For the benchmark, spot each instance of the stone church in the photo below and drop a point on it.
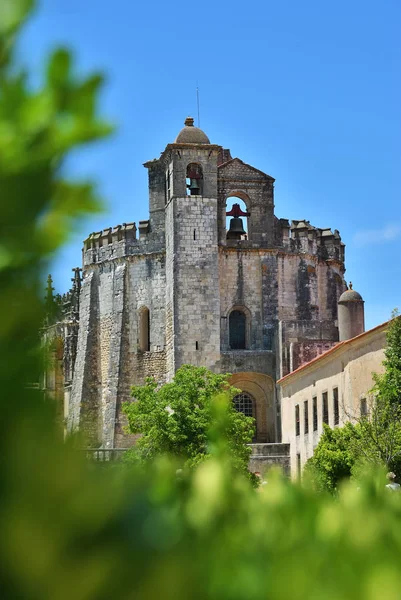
(213, 278)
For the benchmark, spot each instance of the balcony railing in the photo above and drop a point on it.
(104, 454)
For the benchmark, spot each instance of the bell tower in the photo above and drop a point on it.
(192, 267)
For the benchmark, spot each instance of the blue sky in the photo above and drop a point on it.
(309, 92)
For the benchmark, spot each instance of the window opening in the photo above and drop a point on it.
(306, 418)
(364, 407)
(298, 465)
(325, 402)
(297, 427)
(194, 234)
(237, 327)
(168, 186)
(144, 330)
(336, 407)
(236, 219)
(314, 401)
(194, 180)
(243, 403)
(196, 346)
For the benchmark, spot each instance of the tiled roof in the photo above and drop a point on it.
(332, 350)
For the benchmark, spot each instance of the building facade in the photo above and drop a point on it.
(333, 388)
(256, 297)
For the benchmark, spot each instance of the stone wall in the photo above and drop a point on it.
(286, 278)
(266, 456)
(170, 291)
(255, 188)
(109, 361)
(195, 275)
(241, 287)
(85, 400)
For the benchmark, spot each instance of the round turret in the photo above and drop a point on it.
(191, 135)
(351, 314)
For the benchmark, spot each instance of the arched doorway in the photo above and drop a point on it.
(245, 404)
(257, 394)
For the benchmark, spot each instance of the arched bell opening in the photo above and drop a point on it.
(194, 179)
(236, 219)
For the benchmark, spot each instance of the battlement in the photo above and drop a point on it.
(98, 239)
(302, 237)
(118, 241)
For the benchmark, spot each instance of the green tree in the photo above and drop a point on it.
(333, 457)
(178, 418)
(379, 442)
(388, 385)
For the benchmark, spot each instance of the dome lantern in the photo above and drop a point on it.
(191, 135)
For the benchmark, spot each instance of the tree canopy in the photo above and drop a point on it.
(179, 417)
(388, 384)
(333, 457)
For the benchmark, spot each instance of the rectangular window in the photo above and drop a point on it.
(336, 407)
(314, 400)
(306, 418)
(299, 466)
(325, 407)
(297, 419)
(168, 186)
(364, 407)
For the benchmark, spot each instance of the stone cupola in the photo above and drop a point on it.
(351, 314)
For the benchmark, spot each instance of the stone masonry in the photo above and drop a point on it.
(174, 290)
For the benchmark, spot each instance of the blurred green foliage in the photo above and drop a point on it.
(178, 418)
(70, 530)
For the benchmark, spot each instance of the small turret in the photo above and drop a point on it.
(351, 314)
(191, 135)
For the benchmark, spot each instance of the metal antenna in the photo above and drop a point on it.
(197, 102)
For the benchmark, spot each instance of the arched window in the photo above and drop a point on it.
(194, 179)
(144, 330)
(244, 403)
(237, 328)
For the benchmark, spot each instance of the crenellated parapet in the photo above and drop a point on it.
(303, 238)
(119, 241)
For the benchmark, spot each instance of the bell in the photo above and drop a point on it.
(236, 229)
(194, 187)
